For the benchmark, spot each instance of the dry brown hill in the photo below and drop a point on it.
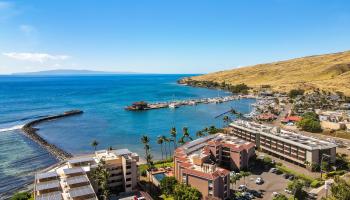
(330, 72)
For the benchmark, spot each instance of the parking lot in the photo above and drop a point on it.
(272, 183)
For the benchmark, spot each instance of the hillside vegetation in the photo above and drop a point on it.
(330, 72)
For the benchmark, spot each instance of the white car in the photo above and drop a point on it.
(274, 194)
(242, 188)
(259, 181)
(288, 191)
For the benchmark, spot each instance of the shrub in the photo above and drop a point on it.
(182, 191)
(295, 92)
(316, 183)
(167, 185)
(22, 196)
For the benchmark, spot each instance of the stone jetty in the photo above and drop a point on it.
(31, 133)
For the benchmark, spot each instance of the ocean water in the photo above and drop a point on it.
(102, 98)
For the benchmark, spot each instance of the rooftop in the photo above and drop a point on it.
(307, 142)
(195, 155)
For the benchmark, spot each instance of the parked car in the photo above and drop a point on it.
(273, 170)
(288, 191)
(259, 181)
(275, 194)
(291, 177)
(242, 188)
(256, 193)
(248, 195)
(286, 176)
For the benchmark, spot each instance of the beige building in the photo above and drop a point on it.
(73, 179)
(205, 163)
(290, 146)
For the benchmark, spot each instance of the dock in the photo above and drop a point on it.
(143, 105)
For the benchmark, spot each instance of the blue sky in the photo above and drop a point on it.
(182, 36)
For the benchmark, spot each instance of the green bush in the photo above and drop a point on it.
(316, 183)
(22, 196)
(295, 92)
(310, 123)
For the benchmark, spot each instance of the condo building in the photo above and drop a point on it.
(205, 163)
(293, 147)
(74, 179)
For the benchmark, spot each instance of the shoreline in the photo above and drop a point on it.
(31, 132)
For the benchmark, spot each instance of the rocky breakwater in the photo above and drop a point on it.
(31, 133)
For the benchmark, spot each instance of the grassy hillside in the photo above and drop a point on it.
(330, 72)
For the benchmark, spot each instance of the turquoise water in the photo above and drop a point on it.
(159, 176)
(102, 98)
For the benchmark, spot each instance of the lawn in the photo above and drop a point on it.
(157, 165)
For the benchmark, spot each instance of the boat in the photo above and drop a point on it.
(173, 105)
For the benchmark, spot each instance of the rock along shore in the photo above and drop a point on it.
(30, 132)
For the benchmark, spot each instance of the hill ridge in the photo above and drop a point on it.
(329, 72)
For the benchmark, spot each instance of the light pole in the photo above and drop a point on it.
(322, 157)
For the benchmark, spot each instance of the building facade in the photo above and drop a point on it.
(205, 163)
(75, 180)
(289, 146)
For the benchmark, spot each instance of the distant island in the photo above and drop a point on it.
(328, 72)
(70, 72)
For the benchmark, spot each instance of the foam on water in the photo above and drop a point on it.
(16, 127)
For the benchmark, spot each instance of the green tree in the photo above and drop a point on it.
(295, 92)
(310, 122)
(234, 178)
(22, 196)
(244, 174)
(280, 197)
(145, 141)
(161, 141)
(297, 187)
(167, 185)
(200, 134)
(339, 190)
(226, 120)
(173, 134)
(101, 176)
(182, 191)
(94, 144)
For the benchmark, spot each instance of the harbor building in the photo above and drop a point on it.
(205, 163)
(293, 147)
(74, 179)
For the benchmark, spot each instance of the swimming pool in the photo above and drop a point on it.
(159, 176)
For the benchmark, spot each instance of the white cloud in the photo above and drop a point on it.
(35, 57)
(27, 29)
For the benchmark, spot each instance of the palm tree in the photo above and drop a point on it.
(200, 134)
(165, 148)
(145, 139)
(94, 144)
(168, 140)
(160, 141)
(174, 136)
(101, 175)
(182, 141)
(186, 134)
(244, 174)
(226, 119)
(234, 178)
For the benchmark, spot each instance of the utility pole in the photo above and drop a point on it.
(322, 157)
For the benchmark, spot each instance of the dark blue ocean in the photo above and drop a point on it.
(102, 98)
